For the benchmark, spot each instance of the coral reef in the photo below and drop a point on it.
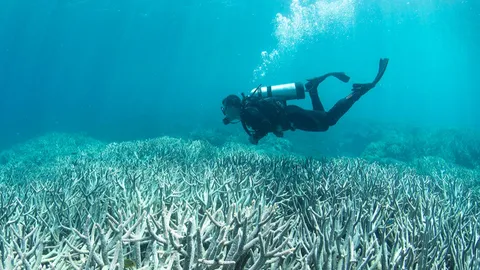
(389, 143)
(460, 147)
(170, 203)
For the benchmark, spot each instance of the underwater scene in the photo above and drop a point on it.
(239, 134)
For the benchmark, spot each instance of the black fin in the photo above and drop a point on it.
(364, 87)
(314, 82)
(341, 76)
(382, 66)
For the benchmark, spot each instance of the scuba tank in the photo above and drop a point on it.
(286, 91)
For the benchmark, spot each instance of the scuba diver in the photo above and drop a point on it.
(265, 110)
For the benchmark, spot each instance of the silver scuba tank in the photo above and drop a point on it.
(286, 91)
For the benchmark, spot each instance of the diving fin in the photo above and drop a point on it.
(382, 66)
(341, 76)
(314, 82)
(362, 88)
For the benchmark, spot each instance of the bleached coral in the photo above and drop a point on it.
(174, 204)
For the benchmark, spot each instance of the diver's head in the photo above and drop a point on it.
(232, 106)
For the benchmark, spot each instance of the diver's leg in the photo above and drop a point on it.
(338, 110)
(312, 88)
(306, 120)
(316, 103)
(343, 105)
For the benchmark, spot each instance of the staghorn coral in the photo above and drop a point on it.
(174, 204)
(460, 147)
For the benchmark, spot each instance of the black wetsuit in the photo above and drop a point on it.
(262, 116)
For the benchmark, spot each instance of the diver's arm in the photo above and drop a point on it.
(257, 135)
(258, 122)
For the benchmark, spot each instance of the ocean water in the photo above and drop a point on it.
(135, 69)
(110, 125)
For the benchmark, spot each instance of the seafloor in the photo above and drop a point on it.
(407, 202)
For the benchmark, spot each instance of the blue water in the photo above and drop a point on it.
(119, 70)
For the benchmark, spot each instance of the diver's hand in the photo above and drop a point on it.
(253, 140)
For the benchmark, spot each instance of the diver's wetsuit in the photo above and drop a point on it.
(317, 119)
(262, 116)
(271, 115)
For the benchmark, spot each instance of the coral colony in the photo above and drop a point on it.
(172, 203)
